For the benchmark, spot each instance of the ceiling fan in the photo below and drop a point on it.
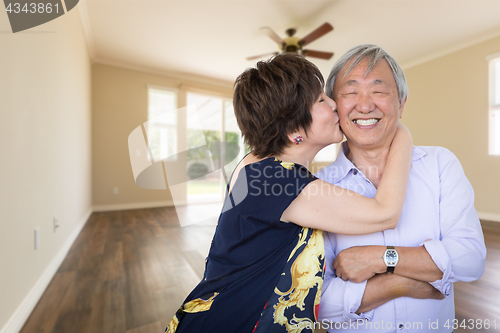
(295, 44)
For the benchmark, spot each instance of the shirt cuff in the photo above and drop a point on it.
(352, 300)
(440, 256)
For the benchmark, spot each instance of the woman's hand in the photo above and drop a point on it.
(403, 136)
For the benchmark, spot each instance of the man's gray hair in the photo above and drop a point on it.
(373, 53)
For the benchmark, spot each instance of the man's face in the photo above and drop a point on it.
(368, 106)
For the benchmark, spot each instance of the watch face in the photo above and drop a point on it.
(391, 257)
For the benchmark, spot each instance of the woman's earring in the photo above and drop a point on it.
(298, 140)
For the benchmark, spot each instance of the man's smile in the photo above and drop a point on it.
(366, 122)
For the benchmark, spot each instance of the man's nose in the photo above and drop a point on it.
(365, 103)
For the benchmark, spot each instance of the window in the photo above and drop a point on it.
(161, 128)
(210, 119)
(494, 106)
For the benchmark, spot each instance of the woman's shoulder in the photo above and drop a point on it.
(273, 166)
(266, 181)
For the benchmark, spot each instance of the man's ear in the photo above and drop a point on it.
(401, 107)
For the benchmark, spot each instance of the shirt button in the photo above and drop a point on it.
(355, 172)
(401, 326)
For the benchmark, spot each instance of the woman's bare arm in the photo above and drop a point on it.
(324, 206)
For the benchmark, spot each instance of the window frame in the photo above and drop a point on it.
(493, 109)
(175, 91)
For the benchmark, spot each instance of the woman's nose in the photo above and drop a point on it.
(332, 103)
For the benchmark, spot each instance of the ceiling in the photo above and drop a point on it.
(212, 38)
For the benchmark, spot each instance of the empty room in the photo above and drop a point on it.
(135, 134)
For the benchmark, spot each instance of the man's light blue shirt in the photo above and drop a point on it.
(439, 206)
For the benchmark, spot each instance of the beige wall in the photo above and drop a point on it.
(448, 106)
(45, 152)
(119, 105)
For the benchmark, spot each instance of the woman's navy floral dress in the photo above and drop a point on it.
(261, 274)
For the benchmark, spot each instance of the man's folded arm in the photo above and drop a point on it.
(345, 300)
(458, 256)
(461, 252)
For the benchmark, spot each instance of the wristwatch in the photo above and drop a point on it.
(391, 259)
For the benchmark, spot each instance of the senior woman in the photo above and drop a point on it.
(265, 267)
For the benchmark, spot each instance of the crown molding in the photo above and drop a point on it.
(451, 49)
(171, 74)
(84, 16)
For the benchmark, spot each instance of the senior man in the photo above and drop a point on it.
(399, 280)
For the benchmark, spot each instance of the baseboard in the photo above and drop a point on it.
(136, 205)
(22, 313)
(489, 216)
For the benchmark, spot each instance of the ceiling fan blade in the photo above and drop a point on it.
(317, 54)
(262, 55)
(321, 31)
(271, 34)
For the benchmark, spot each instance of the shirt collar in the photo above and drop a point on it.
(342, 165)
(417, 153)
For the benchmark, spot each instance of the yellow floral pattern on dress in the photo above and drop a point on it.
(172, 326)
(199, 305)
(286, 165)
(196, 305)
(304, 276)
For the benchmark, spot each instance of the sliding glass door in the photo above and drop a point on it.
(210, 119)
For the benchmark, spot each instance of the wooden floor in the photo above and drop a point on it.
(480, 300)
(128, 272)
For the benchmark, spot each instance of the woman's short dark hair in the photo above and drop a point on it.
(275, 99)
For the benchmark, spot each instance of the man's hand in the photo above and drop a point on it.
(359, 263)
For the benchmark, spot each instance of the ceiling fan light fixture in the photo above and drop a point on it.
(291, 41)
(295, 44)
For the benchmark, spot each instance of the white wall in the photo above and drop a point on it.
(448, 106)
(45, 155)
